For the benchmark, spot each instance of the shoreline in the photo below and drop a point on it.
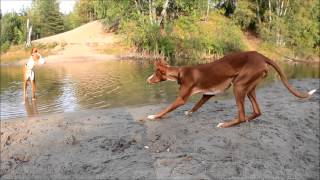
(52, 59)
(120, 143)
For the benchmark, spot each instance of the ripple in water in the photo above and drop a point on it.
(75, 86)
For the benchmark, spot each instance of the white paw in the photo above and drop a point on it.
(312, 91)
(152, 116)
(187, 113)
(219, 125)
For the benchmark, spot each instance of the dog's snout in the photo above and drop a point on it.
(149, 79)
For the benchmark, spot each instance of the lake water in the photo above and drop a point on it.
(75, 86)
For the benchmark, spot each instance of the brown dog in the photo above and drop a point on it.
(28, 72)
(243, 70)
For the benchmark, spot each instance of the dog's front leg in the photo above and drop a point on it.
(181, 100)
(203, 100)
(178, 102)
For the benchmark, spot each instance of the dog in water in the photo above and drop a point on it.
(243, 70)
(29, 74)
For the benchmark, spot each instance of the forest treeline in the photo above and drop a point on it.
(180, 28)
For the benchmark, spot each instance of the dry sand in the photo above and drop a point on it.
(79, 44)
(115, 144)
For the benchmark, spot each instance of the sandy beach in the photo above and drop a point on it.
(120, 143)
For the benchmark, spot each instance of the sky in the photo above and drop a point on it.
(17, 5)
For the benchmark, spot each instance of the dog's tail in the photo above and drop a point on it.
(286, 83)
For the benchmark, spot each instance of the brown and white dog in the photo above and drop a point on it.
(243, 70)
(28, 72)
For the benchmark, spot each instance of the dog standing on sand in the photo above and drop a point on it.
(243, 70)
(28, 72)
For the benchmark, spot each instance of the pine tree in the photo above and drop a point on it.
(47, 18)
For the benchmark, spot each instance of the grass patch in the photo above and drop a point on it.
(19, 52)
(118, 48)
(273, 52)
(186, 39)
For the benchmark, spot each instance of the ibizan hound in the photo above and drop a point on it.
(28, 72)
(243, 70)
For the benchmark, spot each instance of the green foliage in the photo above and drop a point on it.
(84, 11)
(46, 18)
(290, 24)
(224, 35)
(12, 29)
(245, 15)
(5, 46)
(72, 20)
(106, 10)
(186, 28)
(186, 37)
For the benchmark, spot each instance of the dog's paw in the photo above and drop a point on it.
(220, 125)
(152, 116)
(187, 113)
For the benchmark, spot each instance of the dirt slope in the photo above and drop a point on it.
(92, 32)
(80, 43)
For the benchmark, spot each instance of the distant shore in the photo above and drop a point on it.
(120, 143)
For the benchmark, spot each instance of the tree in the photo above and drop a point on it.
(11, 29)
(84, 9)
(46, 18)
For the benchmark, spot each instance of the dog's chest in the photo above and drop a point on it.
(211, 91)
(217, 89)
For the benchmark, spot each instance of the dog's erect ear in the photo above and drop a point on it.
(161, 62)
(161, 65)
(34, 50)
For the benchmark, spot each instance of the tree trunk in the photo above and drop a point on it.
(29, 32)
(137, 6)
(277, 7)
(208, 10)
(152, 12)
(28, 44)
(164, 11)
(270, 19)
(285, 10)
(281, 8)
(258, 11)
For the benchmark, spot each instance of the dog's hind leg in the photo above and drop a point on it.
(25, 83)
(255, 106)
(203, 100)
(252, 95)
(33, 89)
(240, 93)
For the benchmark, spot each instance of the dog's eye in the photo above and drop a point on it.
(159, 73)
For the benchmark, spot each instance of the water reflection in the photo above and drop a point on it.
(31, 107)
(99, 84)
(67, 100)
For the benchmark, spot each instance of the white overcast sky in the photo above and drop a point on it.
(17, 5)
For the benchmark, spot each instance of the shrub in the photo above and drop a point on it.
(245, 16)
(5, 46)
(186, 37)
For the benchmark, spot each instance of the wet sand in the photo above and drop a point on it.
(120, 143)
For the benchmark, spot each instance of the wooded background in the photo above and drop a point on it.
(180, 28)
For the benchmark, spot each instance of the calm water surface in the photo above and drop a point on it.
(75, 86)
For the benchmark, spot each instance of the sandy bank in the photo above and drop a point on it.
(114, 143)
